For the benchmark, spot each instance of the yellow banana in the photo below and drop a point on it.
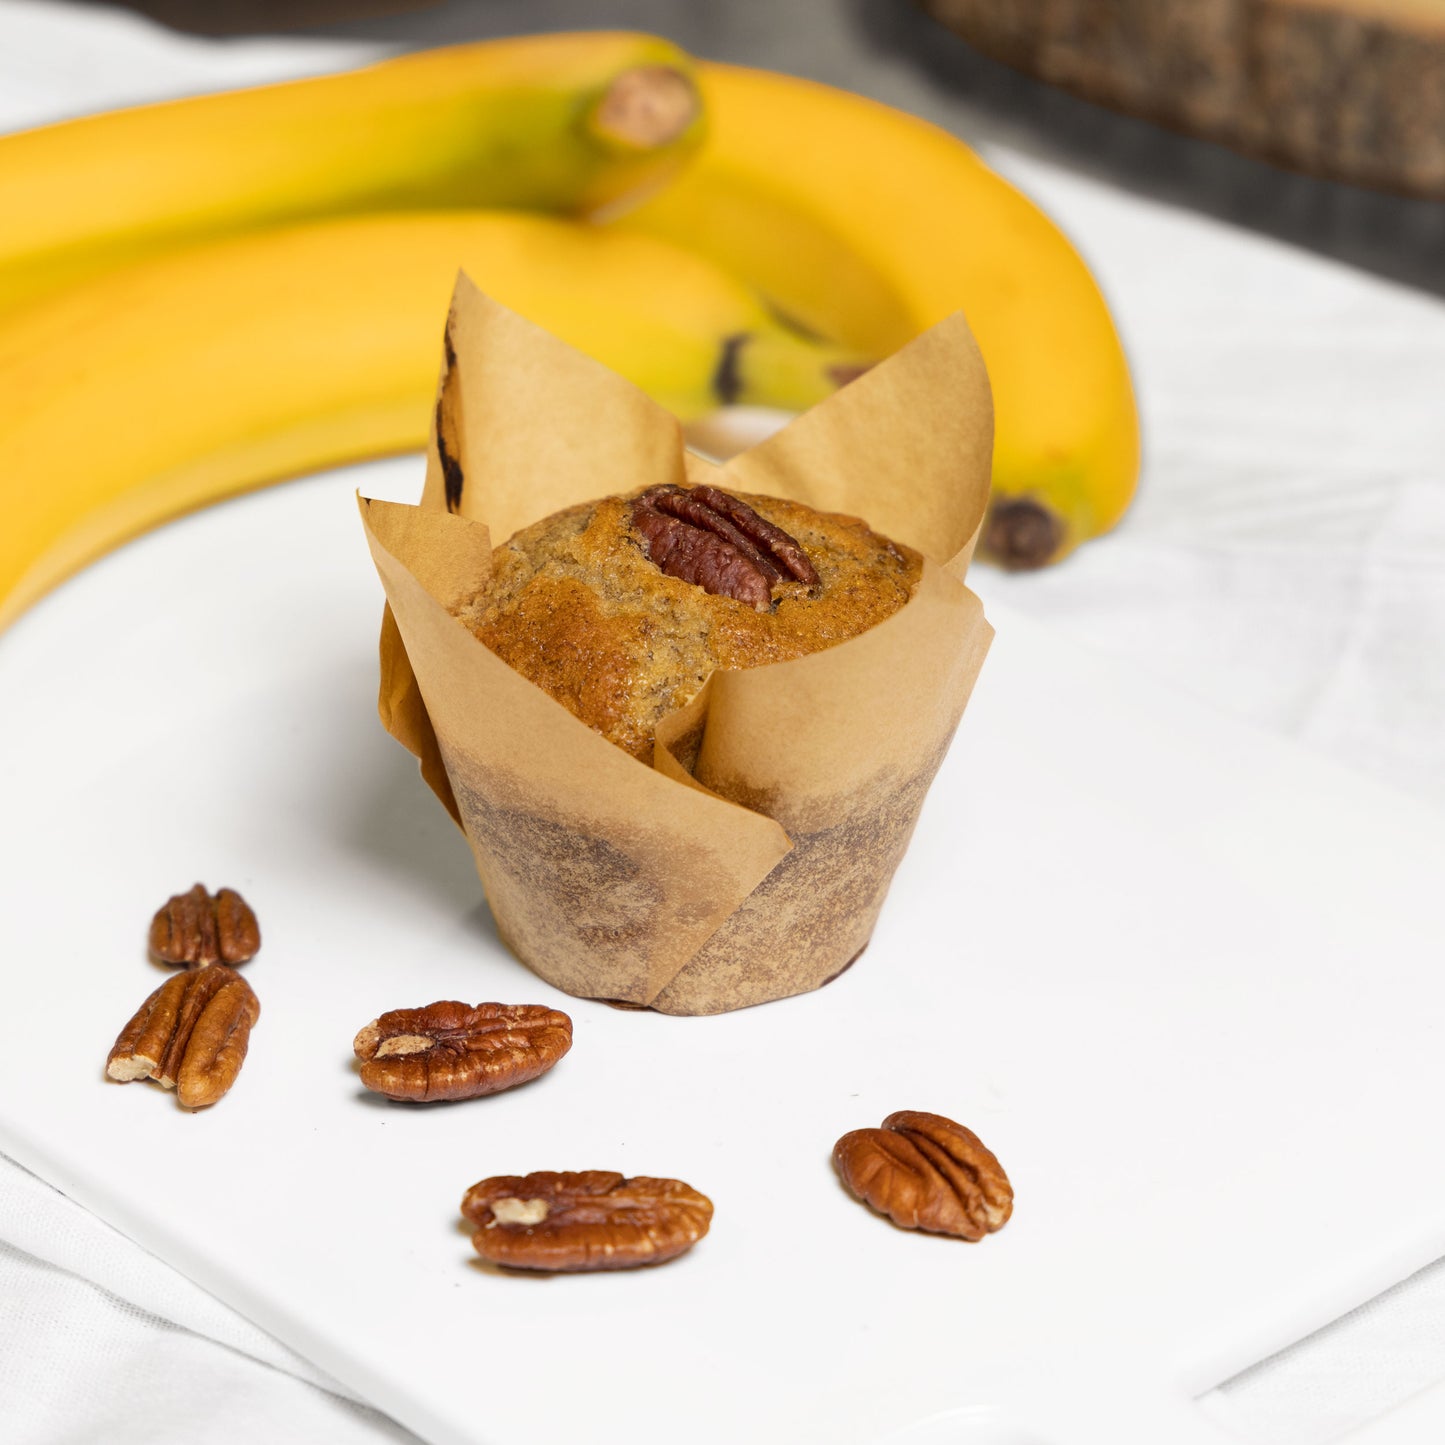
(167, 385)
(563, 123)
(867, 225)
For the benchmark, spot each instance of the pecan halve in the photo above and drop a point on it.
(717, 542)
(926, 1172)
(593, 1219)
(190, 1035)
(452, 1050)
(200, 928)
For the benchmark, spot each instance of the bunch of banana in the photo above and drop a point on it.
(867, 225)
(213, 294)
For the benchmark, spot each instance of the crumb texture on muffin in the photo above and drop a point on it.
(577, 606)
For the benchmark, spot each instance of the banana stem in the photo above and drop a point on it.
(645, 108)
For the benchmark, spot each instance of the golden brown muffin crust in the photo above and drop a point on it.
(577, 606)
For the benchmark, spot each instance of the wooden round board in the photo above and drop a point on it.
(1349, 89)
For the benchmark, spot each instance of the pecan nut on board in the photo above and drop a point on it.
(589, 1220)
(451, 1050)
(926, 1172)
(190, 1035)
(199, 928)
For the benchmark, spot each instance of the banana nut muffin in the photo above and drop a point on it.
(620, 608)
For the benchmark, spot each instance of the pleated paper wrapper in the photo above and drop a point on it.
(761, 873)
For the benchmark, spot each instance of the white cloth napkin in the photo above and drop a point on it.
(101, 1341)
(1285, 561)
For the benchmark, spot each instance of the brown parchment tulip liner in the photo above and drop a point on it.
(761, 875)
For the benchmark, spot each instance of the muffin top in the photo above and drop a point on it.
(621, 608)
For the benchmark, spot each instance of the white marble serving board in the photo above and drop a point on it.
(1185, 980)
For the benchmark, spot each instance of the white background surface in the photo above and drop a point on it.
(1286, 562)
(1134, 980)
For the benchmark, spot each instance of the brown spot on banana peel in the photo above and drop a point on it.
(727, 377)
(646, 107)
(1021, 534)
(841, 374)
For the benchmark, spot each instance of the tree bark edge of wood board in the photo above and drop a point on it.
(1349, 89)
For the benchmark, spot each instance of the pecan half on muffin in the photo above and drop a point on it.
(621, 608)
